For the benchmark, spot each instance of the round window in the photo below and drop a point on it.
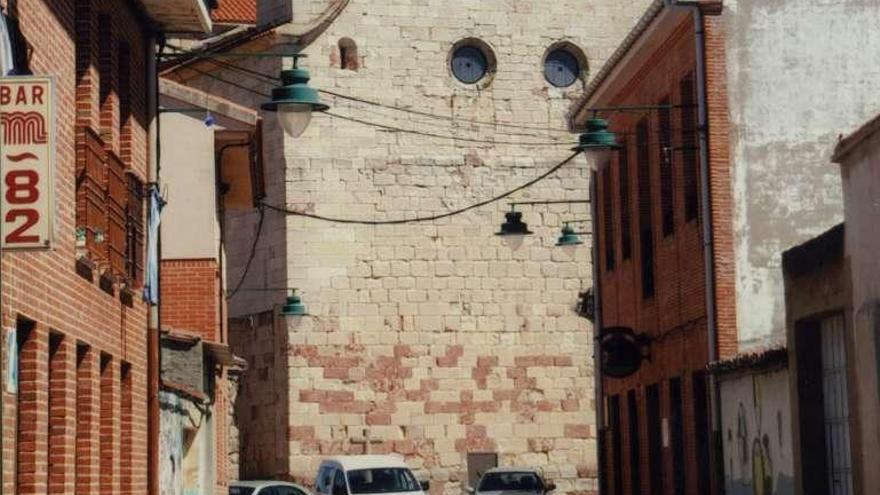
(469, 64)
(561, 68)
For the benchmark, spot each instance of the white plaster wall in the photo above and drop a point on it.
(861, 191)
(800, 72)
(756, 426)
(189, 220)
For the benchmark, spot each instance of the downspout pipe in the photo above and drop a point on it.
(597, 332)
(708, 244)
(153, 341)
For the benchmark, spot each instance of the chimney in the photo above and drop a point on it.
(274, 12)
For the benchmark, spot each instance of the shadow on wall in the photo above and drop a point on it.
(757, 443)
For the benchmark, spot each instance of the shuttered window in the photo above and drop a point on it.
(625, 205)
(135, 235)
(635, 464)
(689, 146)
(616, 445)
(646, 226)
(667, 174)
(655, 438)
(608, 218)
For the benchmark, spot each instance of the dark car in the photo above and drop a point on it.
(512, 481)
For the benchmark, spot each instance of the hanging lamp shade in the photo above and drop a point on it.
(568, 237)
(294, 306)
(294, 101)
(514, 225)
(597, 137)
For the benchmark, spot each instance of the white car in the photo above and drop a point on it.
(512, 481)
(265, 487)
(367, 475)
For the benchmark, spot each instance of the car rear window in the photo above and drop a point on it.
(513, 481)
(382, 480)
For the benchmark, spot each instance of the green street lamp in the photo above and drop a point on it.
(569, 237)
(294, 100)
(294, 305)
(513, 224)
(597, 140)
(597, 137)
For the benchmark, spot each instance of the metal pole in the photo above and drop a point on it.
(597, 331)
(153, 343)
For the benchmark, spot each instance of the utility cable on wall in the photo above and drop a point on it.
(274, 79)
(252, 254)
(385, 126)
(429, 218)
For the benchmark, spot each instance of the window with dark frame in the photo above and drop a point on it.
(109, 196)
(616, 444)
(635, 465)
(57, 406)
(689, 146)
(625, 207)
(676, 426)
(701, 430)
(646, 224)
(667, 205)
(655, 439)
(608, 218)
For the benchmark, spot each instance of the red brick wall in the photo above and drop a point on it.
(190, 297)
(675, 317)
(43, 286)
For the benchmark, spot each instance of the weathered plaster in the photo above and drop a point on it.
(756, 425)
(799, 73)
(861, 189)
(177, 475)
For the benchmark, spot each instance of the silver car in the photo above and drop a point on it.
(266, 487)
(512, 481)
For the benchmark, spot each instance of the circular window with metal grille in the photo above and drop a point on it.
(561, 69)
(471, 61)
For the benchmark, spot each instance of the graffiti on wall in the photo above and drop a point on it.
(757, 436)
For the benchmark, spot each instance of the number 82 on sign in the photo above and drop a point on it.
(27, 162)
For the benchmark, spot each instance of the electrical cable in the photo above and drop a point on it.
(365, 101)
(440, 136)
(252, 254)
(430, 218)
(413, 131)
(385, 126)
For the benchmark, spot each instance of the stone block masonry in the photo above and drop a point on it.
(434, 339)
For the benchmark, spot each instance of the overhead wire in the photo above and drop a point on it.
(386, 126)
(251, 255)
(275, 79)
(428, 218)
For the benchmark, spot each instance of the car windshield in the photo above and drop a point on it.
(519, 481)
(382, 480)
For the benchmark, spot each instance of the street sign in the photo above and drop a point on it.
(621, 351)
(27, 162)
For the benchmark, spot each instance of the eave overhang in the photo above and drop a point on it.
(179, 16)
(657, 23)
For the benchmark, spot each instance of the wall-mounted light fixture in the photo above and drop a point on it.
(294, 100)
(513, 224)
(294, 305)
(568, 236)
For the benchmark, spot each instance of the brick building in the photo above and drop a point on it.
(691, 231)
(437, 340)
(650, 259)
(74, 326)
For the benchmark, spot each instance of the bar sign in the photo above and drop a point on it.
(27, 162)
